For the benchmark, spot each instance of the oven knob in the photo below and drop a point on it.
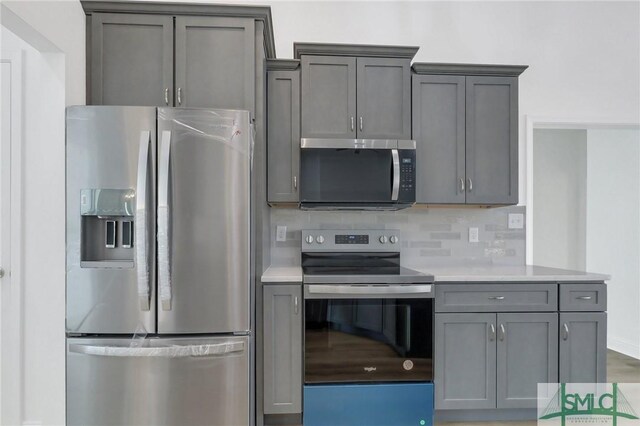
(309, 239)
(383, 239)
(393, 239)
(320, 239)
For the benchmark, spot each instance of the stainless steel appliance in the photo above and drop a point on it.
(158, 264)
(368, 330)
(357, 174)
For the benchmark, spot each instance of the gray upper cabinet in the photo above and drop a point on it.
(527, 354)
(439, 131)
(492, 140)
(328, 97)
(465, 123)
(282, 349)
(384, 98)
(215, 62)
(465, 361)
(131, 59)
(283, 135)
(583, 347)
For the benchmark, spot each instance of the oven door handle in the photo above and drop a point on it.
(316, 291)
(396, 174)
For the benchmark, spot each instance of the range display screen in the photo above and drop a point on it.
(352, 239)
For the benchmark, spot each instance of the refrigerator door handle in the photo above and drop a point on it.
(141, 225)
(211, 349)
(164, 240)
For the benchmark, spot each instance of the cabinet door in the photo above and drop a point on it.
(215, 62)
(283, 135)
(282, 349)
(131, 59)
(527, 355)
(583, 347)
(384, 98)
(492, 140)
(328, 97)
(439, 132)
(465, 361)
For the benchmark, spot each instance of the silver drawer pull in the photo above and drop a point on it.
(496, 297)
(584, 297)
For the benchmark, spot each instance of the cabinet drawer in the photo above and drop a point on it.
(496, 297)
(583, 297)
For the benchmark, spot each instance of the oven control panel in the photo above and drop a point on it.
(328, 240)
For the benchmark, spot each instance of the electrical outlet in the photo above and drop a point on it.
(516, 221)
(281, 233)
(473, 235)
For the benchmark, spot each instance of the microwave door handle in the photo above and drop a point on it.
(164, 241)
(395, 189)
(141, 225)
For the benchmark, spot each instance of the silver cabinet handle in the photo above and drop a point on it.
(565, 331)
(496, 297)
(295, 305)
(166, 96)
(361, 124)
(295, 182)
(584, 297)
(502, 332)
(470, 184)
(1, 272)
(396, 175)
(461, 185)
(492, 333)
(164, 240)
(179, 96)
(352, 124)
(141, 226)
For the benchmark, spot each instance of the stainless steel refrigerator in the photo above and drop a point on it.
(158, 266)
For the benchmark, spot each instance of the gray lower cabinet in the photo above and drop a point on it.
(282, 322)
(215, 62)
(283, 136)
(131, 59)
(527, 354)
(465, 361)
(583, 347)
(492, 140)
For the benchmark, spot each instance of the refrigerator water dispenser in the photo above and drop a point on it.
(107, 228)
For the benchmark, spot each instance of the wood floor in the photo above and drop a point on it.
(620, 369)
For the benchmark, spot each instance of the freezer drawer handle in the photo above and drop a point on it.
(213, 349)
(164, 239)
(141, 228)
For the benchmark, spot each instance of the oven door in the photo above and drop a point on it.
(356, 173)
(368, 333)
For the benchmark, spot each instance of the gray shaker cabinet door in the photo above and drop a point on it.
(465, 361)
(328, 97)
(583, 347)
(283, 135)
(131, 59)
(282, 349)
(492, 140)
(527, 355)
(384, 98)
(215, 62)
(439, 132)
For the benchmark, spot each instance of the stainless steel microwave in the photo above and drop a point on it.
(361, 174)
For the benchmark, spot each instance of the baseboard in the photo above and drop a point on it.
(624, 347)
(485, 415)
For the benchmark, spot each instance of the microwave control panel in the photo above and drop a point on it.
(407, 175)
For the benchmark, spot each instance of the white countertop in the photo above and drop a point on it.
(462, 273)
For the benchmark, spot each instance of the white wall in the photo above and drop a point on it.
(559, 198)
(613, 229)
(43, 236)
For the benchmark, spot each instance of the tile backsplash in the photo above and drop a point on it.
(434, 236)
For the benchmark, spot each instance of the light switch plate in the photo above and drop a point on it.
(473, 235)
(516, 221)
(281, 233)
